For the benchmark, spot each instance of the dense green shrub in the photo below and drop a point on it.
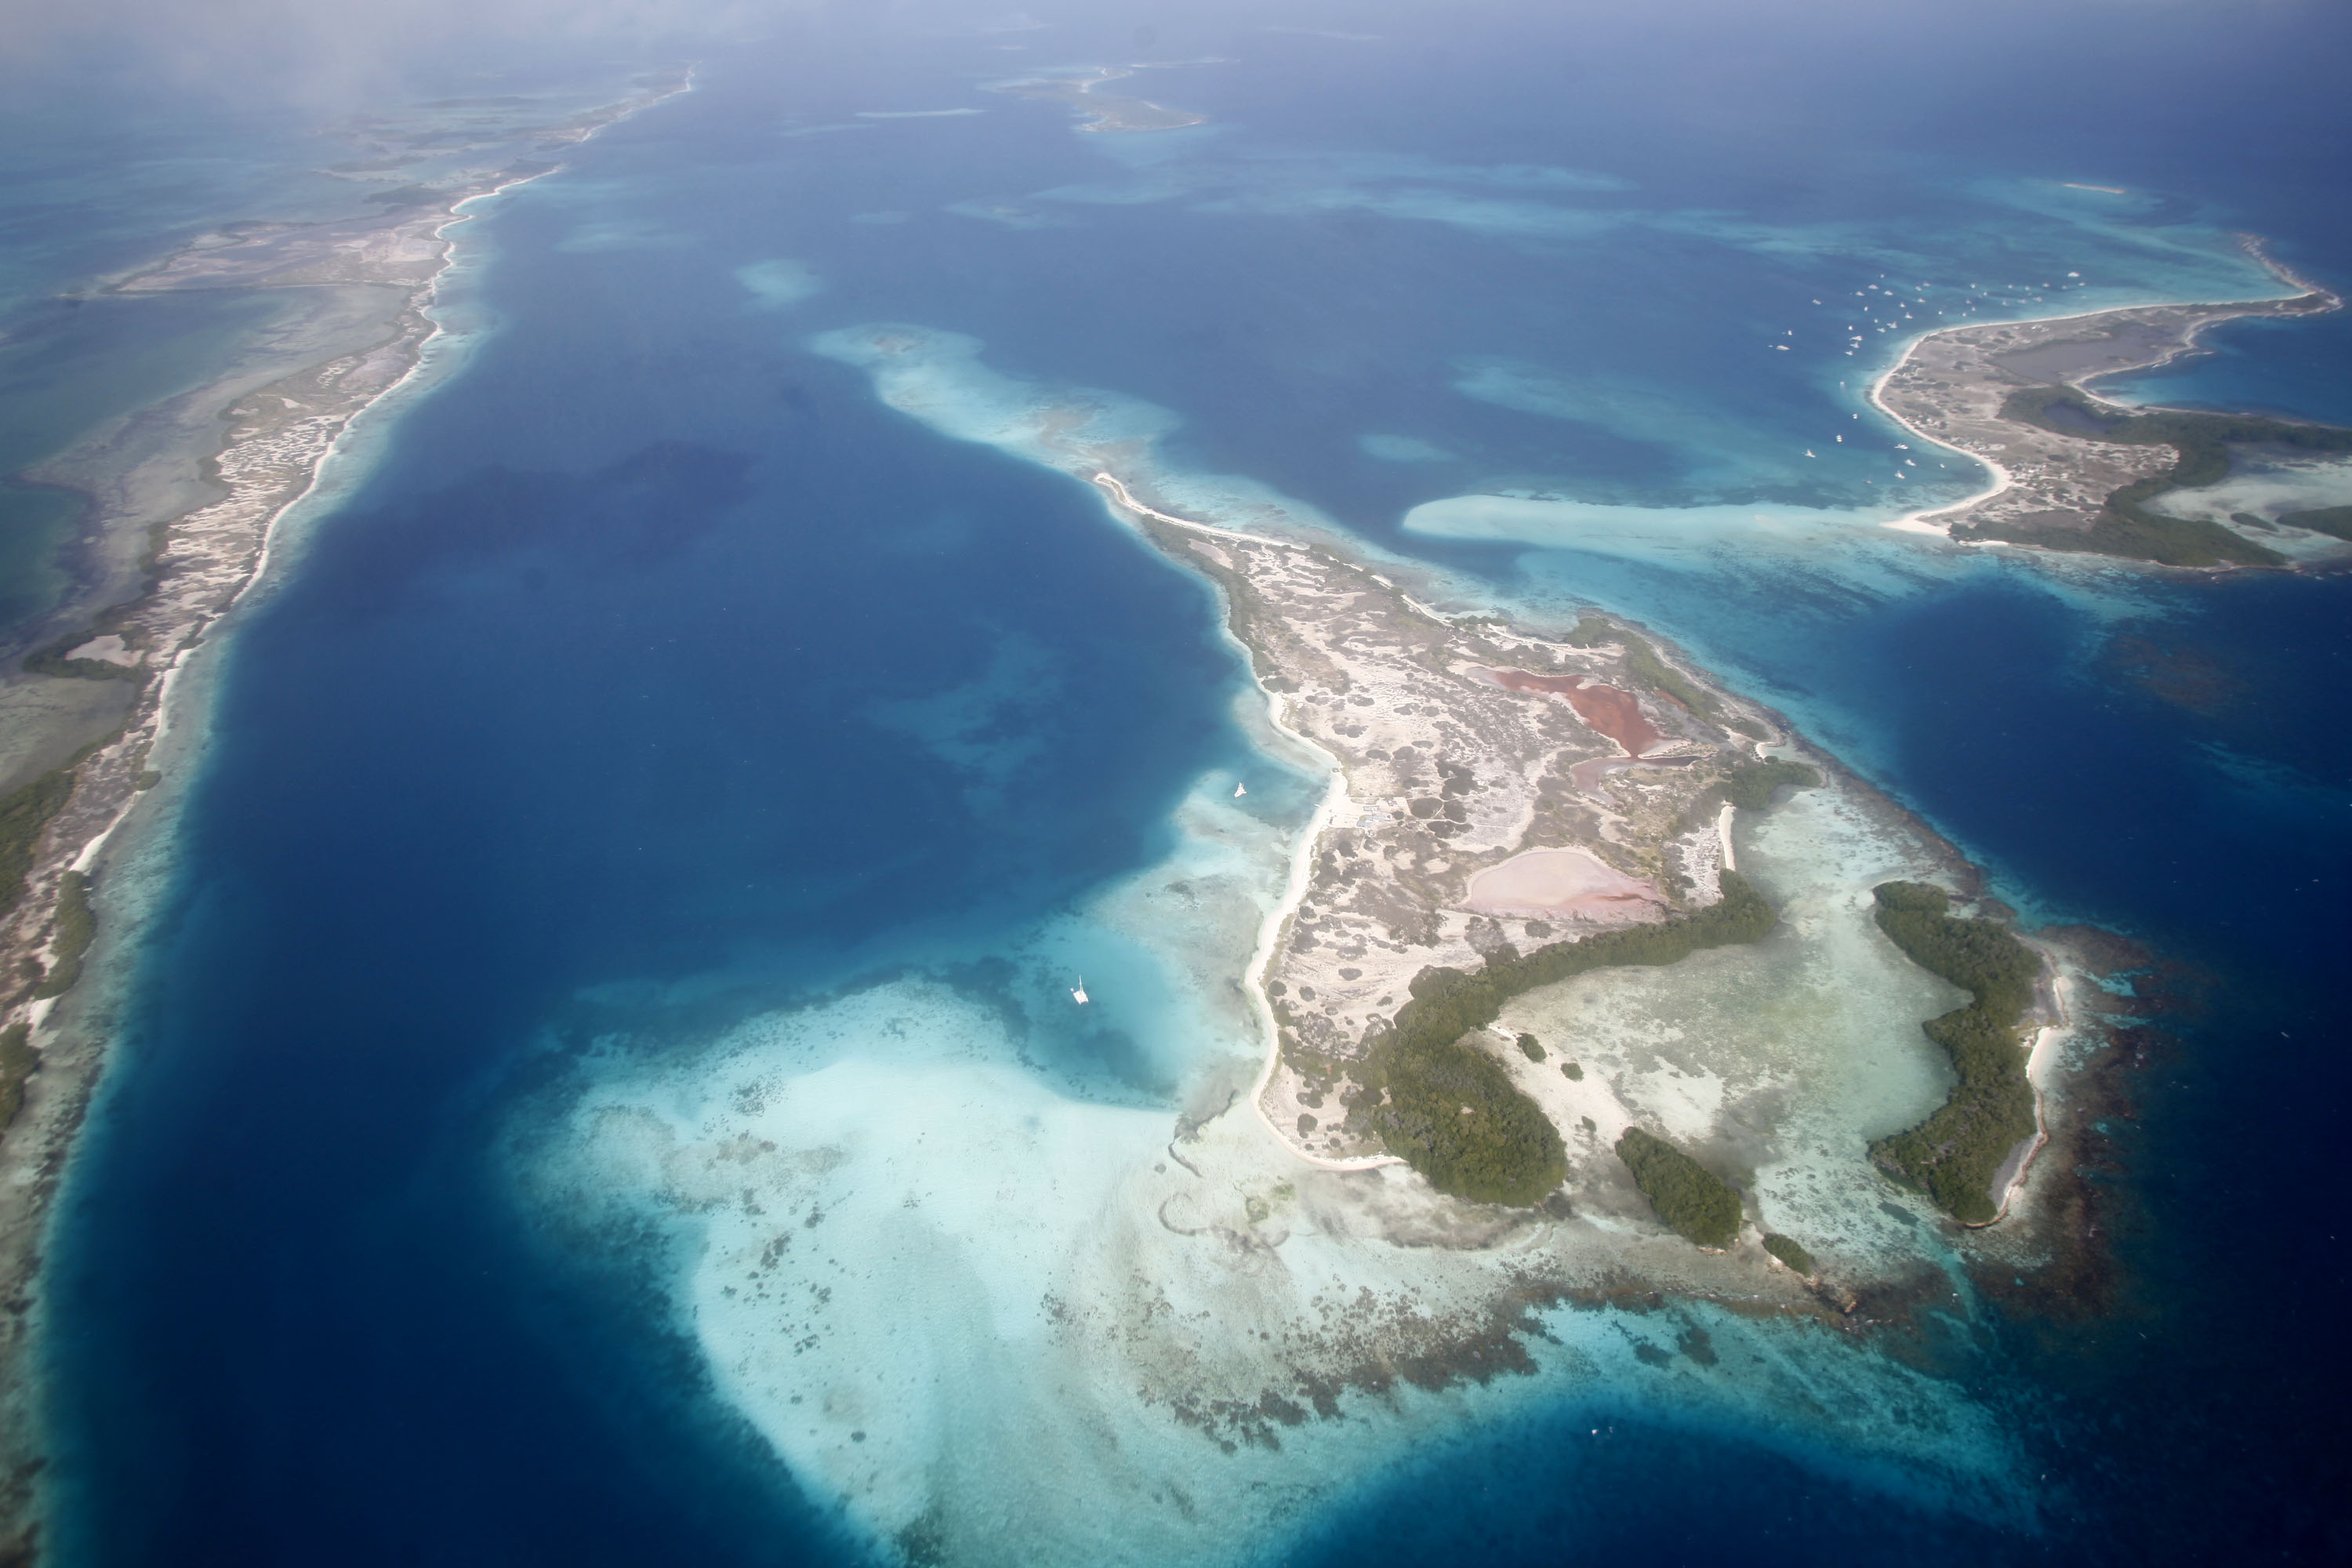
(1954, 1155)
(17, 1060)
(1750, 787)
(1453, 1114)
(77, 924)
(1572, 1071)
(1788, 1252)
(1693, 1200)
(23, 814)
(1531, 1048)
(1450, 1111)
(2333, 520)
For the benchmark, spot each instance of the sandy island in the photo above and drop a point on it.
(1105, 111)
(1950, 384)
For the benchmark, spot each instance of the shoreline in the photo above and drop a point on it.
(1289, 593)
(207, 559)
(2183, 323)
(1712, 836)
(1299, 878)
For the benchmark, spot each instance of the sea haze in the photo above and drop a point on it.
(656, 819)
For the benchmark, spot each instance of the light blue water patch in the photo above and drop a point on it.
(1402, 449)
(1008, 215)
(780, 283)
(2270, 485)
(1714, 452)
(622, 235)
(1688, 534)
(955, 1290)
(939, 378)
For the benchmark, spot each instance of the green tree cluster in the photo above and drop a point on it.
(23, 814)
(1451, 1112)
(1694, 1202)
(1953, 1155)
(2202, 442)
(76, 925)
(2335, 522)
(1750, 787)
(17, 1060)
(1788, 1252)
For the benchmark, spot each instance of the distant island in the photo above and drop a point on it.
(1105, 111)
(87, 713)
(2077, 475)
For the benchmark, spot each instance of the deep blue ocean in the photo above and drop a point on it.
(579, 690)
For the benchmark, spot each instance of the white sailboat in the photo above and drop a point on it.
(1239, 789)
(1079, 992)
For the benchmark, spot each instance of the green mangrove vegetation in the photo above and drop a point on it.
(1450, 1111)
(1953, 1155)
(1788, 1252)
(17, 1060)
(2335, 522)
(2125, 525)
(1696, 1203)
(76, 925)
(1750, 787)
(1531, 1047)
(23, 814)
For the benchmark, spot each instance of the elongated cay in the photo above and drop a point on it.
(1954, 1155)
(2076, 475)
(1451, 1112)
(1697, 1203)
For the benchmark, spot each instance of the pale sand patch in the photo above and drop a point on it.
(1556, 882)
(107, 649)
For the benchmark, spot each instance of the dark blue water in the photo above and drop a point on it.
(580, 691)
(514, 732)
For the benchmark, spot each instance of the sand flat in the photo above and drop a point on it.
(1557, 882)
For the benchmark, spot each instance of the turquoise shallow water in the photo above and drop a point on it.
(671, 738)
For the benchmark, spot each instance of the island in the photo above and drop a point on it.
(1105, 111)
(2076, 474)
(1510, 811)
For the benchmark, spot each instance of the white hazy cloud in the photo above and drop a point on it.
(329, 52)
